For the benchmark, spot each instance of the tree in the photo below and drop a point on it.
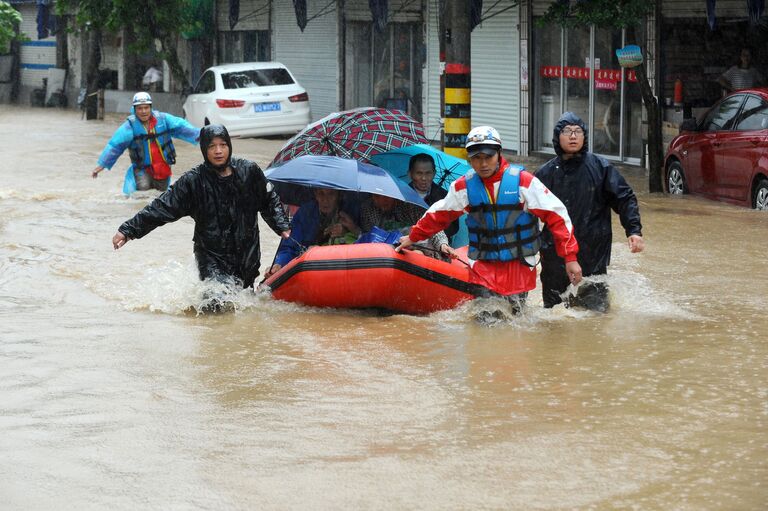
(618, 14)
(147, 20)
(9, 19)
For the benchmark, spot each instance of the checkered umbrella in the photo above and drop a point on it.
(354, 134)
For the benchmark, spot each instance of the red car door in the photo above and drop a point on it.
(706, 153)
(741, 149)
(698, 158)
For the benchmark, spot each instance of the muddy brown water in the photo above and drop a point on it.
(111, 396)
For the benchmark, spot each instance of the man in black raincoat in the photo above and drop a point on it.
(223, 195)
(590, 188)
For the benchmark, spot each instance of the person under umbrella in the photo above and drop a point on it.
(421, 170)
(327, 219)
(355, 134)
(393, 215)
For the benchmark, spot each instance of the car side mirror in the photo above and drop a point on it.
(186, 91)
(689, 125)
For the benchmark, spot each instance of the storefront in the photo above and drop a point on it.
(576, 70)
(312, 55)
(698, 48)
(248, 39)
(383, 61)
(346, 59)
(497, 74)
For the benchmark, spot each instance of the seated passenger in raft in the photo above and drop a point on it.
(325, 220)
(392, 214)
(421, 170)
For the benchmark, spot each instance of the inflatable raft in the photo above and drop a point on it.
(373, 275)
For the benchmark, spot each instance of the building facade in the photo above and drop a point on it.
(524, 75)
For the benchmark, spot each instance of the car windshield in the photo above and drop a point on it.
(256, 78)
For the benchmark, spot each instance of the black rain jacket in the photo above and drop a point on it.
(590, 187)
(226, 238)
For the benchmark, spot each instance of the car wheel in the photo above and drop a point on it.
(760, 197)
(676, 179)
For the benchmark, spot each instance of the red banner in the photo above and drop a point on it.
(582, 73)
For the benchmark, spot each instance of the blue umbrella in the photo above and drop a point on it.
(447, 168)
(343, 174)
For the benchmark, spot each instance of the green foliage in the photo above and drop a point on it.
(9, 18)
(147, 20)
(601, 13)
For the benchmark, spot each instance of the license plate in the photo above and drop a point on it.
(266, 107)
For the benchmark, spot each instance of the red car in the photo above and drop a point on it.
(725, 155)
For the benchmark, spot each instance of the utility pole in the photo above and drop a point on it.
(456, 39)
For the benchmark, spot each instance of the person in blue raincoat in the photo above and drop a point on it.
(147, 134)
(327, 219)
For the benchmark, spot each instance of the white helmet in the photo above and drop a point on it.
(142, 98)
(483, 139)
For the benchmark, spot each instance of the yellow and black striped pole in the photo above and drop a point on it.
(457, 111)
(458, 108)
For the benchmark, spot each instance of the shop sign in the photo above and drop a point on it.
(582, 73)
(606, 85)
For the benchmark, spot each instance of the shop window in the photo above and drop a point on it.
(578, 72)
(547, 86)
(698, 56)
(383, 69)
(244, 46)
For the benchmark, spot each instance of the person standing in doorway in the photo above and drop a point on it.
(590, 188)
(148, 135)
(742, 75)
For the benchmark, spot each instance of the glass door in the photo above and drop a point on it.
(358, 87)
(547, 88)
(576, 72)
(383, 68)
(606, 124)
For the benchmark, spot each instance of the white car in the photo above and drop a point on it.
(250, 99)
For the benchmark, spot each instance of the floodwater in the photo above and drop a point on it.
(113, 397)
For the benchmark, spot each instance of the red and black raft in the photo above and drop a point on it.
(373, 275)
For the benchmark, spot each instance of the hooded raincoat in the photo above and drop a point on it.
(132, 135)
(226, 238)
(590, 188)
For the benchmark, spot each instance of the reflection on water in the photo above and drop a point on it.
(114, 395)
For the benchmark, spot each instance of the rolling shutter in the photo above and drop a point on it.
(312, 55)
(496, 74)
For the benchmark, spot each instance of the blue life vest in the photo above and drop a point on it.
(139, 147)
(500, 231)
